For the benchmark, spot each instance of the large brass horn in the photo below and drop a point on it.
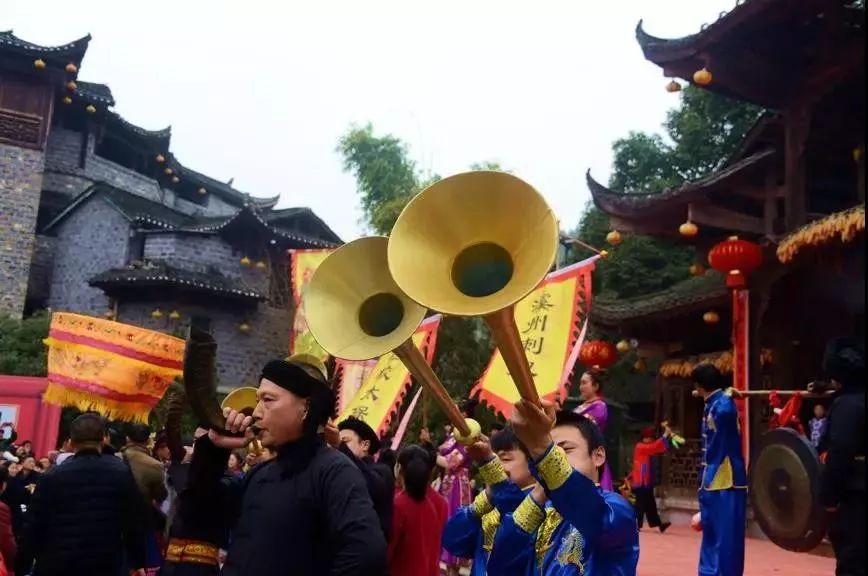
(355, 311)
(474, 244)
(244, 400)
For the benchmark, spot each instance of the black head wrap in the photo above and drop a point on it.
(844, 361)
(364, 431)
(305, 382)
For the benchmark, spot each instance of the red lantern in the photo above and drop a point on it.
(736, 258)
(597, 353)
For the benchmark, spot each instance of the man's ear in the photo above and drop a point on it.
(366, 445)
(598, 456)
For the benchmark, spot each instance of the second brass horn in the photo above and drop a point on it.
(474, 244)
(355, 311)
(244, 400)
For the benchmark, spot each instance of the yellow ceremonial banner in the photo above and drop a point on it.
(303, 263)
(351, 375)
(547, 320)
(384, 388)
(118, 370)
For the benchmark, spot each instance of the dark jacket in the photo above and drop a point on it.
(83, 517)
(8, 547)
(381, 487)
(844, 442)
(305, 513)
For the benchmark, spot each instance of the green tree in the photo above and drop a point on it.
(699, 134)
(22, 352)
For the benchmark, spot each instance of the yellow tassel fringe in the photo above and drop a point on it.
(112, 409)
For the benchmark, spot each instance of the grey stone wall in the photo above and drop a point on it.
(91, 240)
(201, 253)
(20, 188)
(41, 266)
(63, 174)
(240, 356)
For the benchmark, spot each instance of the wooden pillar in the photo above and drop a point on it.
(770, 203)
(797, 121)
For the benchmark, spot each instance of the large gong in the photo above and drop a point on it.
(785, 491)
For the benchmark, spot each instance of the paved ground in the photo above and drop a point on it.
(676, 553)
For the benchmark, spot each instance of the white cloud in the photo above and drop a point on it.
(261, 91)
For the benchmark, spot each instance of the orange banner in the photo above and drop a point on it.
(550, 322)
(118, 370)
(384, 388)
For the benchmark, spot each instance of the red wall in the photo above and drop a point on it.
(36, 421)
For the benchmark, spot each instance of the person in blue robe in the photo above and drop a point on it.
(568, 525)
(469, 533)
(723, 486)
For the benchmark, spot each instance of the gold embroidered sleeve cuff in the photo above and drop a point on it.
(554, 468)
(493, 472)
(482, 505)
(528, 516)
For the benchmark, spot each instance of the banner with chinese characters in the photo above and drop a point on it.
(302, 265)
(385, 387)
(118, 370)
(551, 323)
(349, 377)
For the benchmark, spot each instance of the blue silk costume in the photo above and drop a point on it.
(723, 490)
(583, 529)
(470, 531)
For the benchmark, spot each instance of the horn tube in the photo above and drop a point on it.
(355, 311)
(475, 244)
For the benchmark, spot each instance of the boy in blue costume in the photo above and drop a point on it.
(568, 525)
(504, 470)
(723, 489)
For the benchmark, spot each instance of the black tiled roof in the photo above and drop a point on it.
(160, 138)
(700, 291)
(159, 274)
(74, 51)
(134, 207)
(200, 180)
(638, 204)
(95, 93)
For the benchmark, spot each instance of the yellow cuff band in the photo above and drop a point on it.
(481, 504)
(554, 469)
(492, 472)
(528, 516)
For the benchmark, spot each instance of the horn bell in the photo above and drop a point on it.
(241, 400)
(473, 243)
(354, 308)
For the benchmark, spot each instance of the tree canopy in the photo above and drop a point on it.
(700, 134)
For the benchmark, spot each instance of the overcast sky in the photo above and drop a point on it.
(262, 91)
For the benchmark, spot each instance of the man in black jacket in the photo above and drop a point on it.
(843, 483)
(360, 443)
(85, 517)
(307, 511)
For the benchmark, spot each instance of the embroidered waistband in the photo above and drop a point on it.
(191, 552)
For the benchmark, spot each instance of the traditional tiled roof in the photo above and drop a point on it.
(751, 48)
(159, 274)
(694, 293)
(275, 217)
(158, 138)
(134, 208)
(72, 52)
(223, 189)
(844, 226)
(642, 205)
(94, 93)
(258, 217)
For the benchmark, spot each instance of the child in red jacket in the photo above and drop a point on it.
(643, 488)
